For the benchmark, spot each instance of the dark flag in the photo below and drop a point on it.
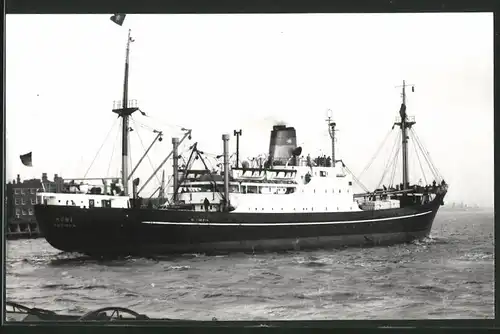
(118, 19)
(26, 159)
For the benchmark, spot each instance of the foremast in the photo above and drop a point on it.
(405, 123)
(125, 111)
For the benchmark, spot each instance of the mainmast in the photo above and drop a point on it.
(405, 123)
(123, 110)
(331, 131)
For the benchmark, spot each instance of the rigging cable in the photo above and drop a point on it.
(390, 161)
(393, 173)
(418, 158)
(390, 166)
(375, 155)
(355, 179)
(130, 129)
(113, 151)
(156, 120)
(427, 157)
(106, 138)
(144, 148)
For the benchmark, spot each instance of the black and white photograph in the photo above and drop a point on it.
(257, 167)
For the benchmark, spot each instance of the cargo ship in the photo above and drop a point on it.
(287, 201)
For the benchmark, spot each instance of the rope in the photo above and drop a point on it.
(418, 158)
(144, 148)
(98, 151)
(113, 151)
(439, 176)
(374, 156)
(156, 120)
(432, 168)
(390, 162)
(393, 173)
(356, 180)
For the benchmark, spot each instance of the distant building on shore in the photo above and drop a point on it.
(19, 201)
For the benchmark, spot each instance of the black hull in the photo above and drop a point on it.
(111, 231)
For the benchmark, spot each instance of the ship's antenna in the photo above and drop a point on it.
(331, 131)
(124, 111)
(405, 122)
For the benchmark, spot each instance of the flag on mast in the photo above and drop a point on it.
(118, 18)
(26, 159)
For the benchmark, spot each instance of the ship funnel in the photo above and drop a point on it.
(282, 146)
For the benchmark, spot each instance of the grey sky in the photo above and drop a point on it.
(217, 73)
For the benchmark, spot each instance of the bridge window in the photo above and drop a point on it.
(350, 183)
(252, 189)
(323, 173)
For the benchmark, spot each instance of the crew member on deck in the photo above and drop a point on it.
(206, 204)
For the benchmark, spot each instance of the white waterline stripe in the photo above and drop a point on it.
(286, 224)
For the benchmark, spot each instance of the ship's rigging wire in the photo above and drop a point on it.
(144, 148)
(427, 156)
(129, 148)
(113, 150)
(99, 150)
(375, 155)
(429, 164)
(156, 120)
(390, 160)
(355, 178)
(393, 173)
(418, 158)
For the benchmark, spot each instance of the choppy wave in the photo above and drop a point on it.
(448, 275)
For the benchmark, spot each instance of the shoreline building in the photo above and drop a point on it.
(20, 197)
